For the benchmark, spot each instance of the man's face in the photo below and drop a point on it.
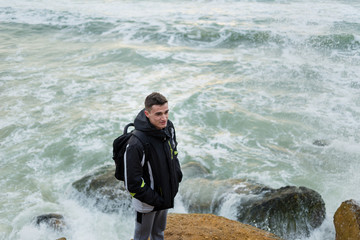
(158, 115)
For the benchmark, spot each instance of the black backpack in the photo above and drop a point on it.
(119, 147)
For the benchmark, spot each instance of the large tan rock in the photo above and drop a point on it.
(209, 226)
(347, 221)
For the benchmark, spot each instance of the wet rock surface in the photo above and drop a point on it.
(103, 191)
(321, 142)
(289, 212)
(52, 220)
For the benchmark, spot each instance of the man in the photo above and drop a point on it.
(153, 182)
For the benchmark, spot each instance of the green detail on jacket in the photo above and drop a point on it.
(142, 185)
(171, 150)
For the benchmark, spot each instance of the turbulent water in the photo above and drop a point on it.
(251, 85)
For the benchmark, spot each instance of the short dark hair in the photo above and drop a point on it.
(154, 98)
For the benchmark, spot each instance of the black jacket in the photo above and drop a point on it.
(152, 183)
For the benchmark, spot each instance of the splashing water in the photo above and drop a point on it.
(251, 85)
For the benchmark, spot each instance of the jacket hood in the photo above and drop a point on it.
(143, 124)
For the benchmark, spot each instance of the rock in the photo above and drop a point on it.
(194, 169)
(102, 190)
(288, 212)
(347, 221)
(52, 220)
(61, 238)
(321, 142)
(209, 226)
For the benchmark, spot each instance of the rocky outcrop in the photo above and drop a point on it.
(347, 221)
(287, 212)
(51, 220)
(103, 191)
(321, 142)
(208, 226)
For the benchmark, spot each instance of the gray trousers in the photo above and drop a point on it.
(151, 225)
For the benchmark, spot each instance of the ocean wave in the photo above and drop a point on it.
(178, 32)
(174, 32)
(44, 21)
(39, 16)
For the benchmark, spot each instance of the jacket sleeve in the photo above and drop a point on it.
(178, 170)
(177, 163)
(133, 176)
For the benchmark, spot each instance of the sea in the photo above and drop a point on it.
(263, 90)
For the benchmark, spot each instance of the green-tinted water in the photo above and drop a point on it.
(251, 85)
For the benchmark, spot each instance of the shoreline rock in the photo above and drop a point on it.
(299, 209)
(52, 220)
(288, 212)
(321, 142)
(102, 190)
(347, 221)
(193, 226)
(209, 226)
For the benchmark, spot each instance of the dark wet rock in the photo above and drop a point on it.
(194, 170)
(102, 190)
(52, 220)
(347, 221)
(321, 142)
(288, 212)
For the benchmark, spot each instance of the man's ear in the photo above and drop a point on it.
(146, 113)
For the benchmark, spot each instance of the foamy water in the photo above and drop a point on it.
(251, 85)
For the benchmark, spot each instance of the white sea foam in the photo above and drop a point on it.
(251, 86)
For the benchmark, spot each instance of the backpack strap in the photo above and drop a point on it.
(143, 139)
(127, 126)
